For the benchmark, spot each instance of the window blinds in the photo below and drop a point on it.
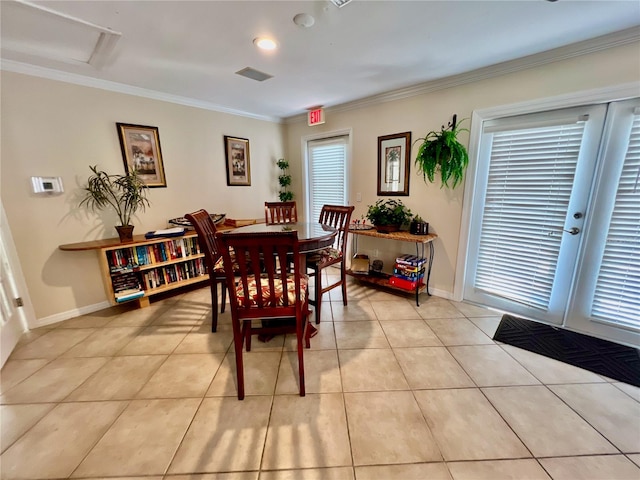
(530, 179)
(617, 295)
(327, 172)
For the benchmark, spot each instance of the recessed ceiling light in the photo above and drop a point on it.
(265, 43)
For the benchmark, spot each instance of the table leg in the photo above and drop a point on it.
(420, 253)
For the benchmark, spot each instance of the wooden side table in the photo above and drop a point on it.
(422, 242)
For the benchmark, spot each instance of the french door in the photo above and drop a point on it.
(554, 238)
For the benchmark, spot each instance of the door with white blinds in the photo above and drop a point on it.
(607, 293)
(555, 212)
(327, 174)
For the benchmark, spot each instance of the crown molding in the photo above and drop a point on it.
(612, 40)
(616, 39)
(51, 74)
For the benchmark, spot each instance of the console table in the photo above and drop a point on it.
(382, 279)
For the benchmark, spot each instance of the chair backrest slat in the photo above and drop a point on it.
(338, 216)
(206, 230)
(280, 212)
(268, 256)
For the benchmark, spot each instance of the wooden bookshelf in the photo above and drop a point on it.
(153, 266)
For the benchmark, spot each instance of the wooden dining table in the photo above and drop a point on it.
(312, 236)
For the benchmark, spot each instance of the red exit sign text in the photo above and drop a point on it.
(316, 116)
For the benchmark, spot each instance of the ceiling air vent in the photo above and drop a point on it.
(340, 3)
(254, 74)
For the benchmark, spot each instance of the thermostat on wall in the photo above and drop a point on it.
(48, 185)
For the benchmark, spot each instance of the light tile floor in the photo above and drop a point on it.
(394, 391)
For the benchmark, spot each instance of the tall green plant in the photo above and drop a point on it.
(441, 152)
(284, 180)
(125, 194)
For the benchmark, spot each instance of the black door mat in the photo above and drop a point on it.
(612, 360)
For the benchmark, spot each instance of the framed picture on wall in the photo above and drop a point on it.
(393, 164)
(238, 161)
(141, 152)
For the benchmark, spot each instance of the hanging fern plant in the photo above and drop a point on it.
(441, 152)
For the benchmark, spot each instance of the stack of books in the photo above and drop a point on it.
(408, 272)
(126, 287)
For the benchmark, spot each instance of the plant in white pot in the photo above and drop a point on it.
(125, 194)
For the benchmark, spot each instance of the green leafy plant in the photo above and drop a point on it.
(442, 152)
(125, 194)
(284, 180)
(388, 212)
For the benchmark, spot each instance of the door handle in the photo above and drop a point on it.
(572, 231)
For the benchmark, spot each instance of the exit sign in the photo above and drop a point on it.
(316, 116)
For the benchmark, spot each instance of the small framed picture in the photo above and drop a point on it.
(238, 161)
(141, 152)
(393, 164)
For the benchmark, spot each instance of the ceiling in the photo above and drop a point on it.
(188, 52)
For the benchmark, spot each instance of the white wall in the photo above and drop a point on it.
(442, 208)
(51, 128)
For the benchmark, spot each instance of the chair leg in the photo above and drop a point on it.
(306, 329)
(299, 336)
(343, 276)
(318, 294)
(237, 343)
(223, 294)
(214, 305)
(246, 328)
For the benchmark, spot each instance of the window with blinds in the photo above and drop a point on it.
(530, 179)
(327, 173)
(617, 293)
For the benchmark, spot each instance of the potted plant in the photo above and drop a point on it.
(442, 152)
(388, 215)
(125, 194)
(284, 180)
(418, 226)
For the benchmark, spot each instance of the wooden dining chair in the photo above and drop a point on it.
(264, 291)
(206, 230)
(338, 217)
(280, 212)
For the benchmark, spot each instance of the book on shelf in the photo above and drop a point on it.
(167, 232)
(129, 294)
(408, 270)
(404, 284)
(411, 260)
(411, 277)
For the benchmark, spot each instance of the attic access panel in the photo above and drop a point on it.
(39, 31)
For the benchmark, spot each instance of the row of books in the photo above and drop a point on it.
(124, 259)
(158, 277)
(408, 272)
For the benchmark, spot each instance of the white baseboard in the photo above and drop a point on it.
(441, 293)
(76, 312)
